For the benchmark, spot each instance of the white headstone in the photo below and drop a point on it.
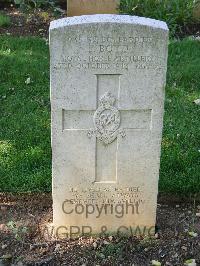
(108, 76)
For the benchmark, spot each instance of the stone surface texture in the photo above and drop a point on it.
(88, 7)
(108, 76)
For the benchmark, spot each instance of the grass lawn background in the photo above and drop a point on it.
(25, 146)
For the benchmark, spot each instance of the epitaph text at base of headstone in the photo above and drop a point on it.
(108, 76)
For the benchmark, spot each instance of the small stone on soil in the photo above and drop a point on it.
(184, 248)
(4, 246)
(95, 245)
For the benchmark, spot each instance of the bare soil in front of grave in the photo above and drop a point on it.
(23, 240)
(37, 22)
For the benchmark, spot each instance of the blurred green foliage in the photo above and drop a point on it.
(29, 4)
(4, 20)
(176, 13)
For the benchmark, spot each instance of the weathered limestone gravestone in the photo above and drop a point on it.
(107, 94)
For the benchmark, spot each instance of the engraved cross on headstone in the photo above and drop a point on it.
(110, 123)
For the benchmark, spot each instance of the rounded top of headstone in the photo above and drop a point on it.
(118, 19)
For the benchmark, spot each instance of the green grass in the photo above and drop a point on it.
(4, 20)
(25, 153)
(180, 161)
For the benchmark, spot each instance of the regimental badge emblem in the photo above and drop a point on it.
(106, 120)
